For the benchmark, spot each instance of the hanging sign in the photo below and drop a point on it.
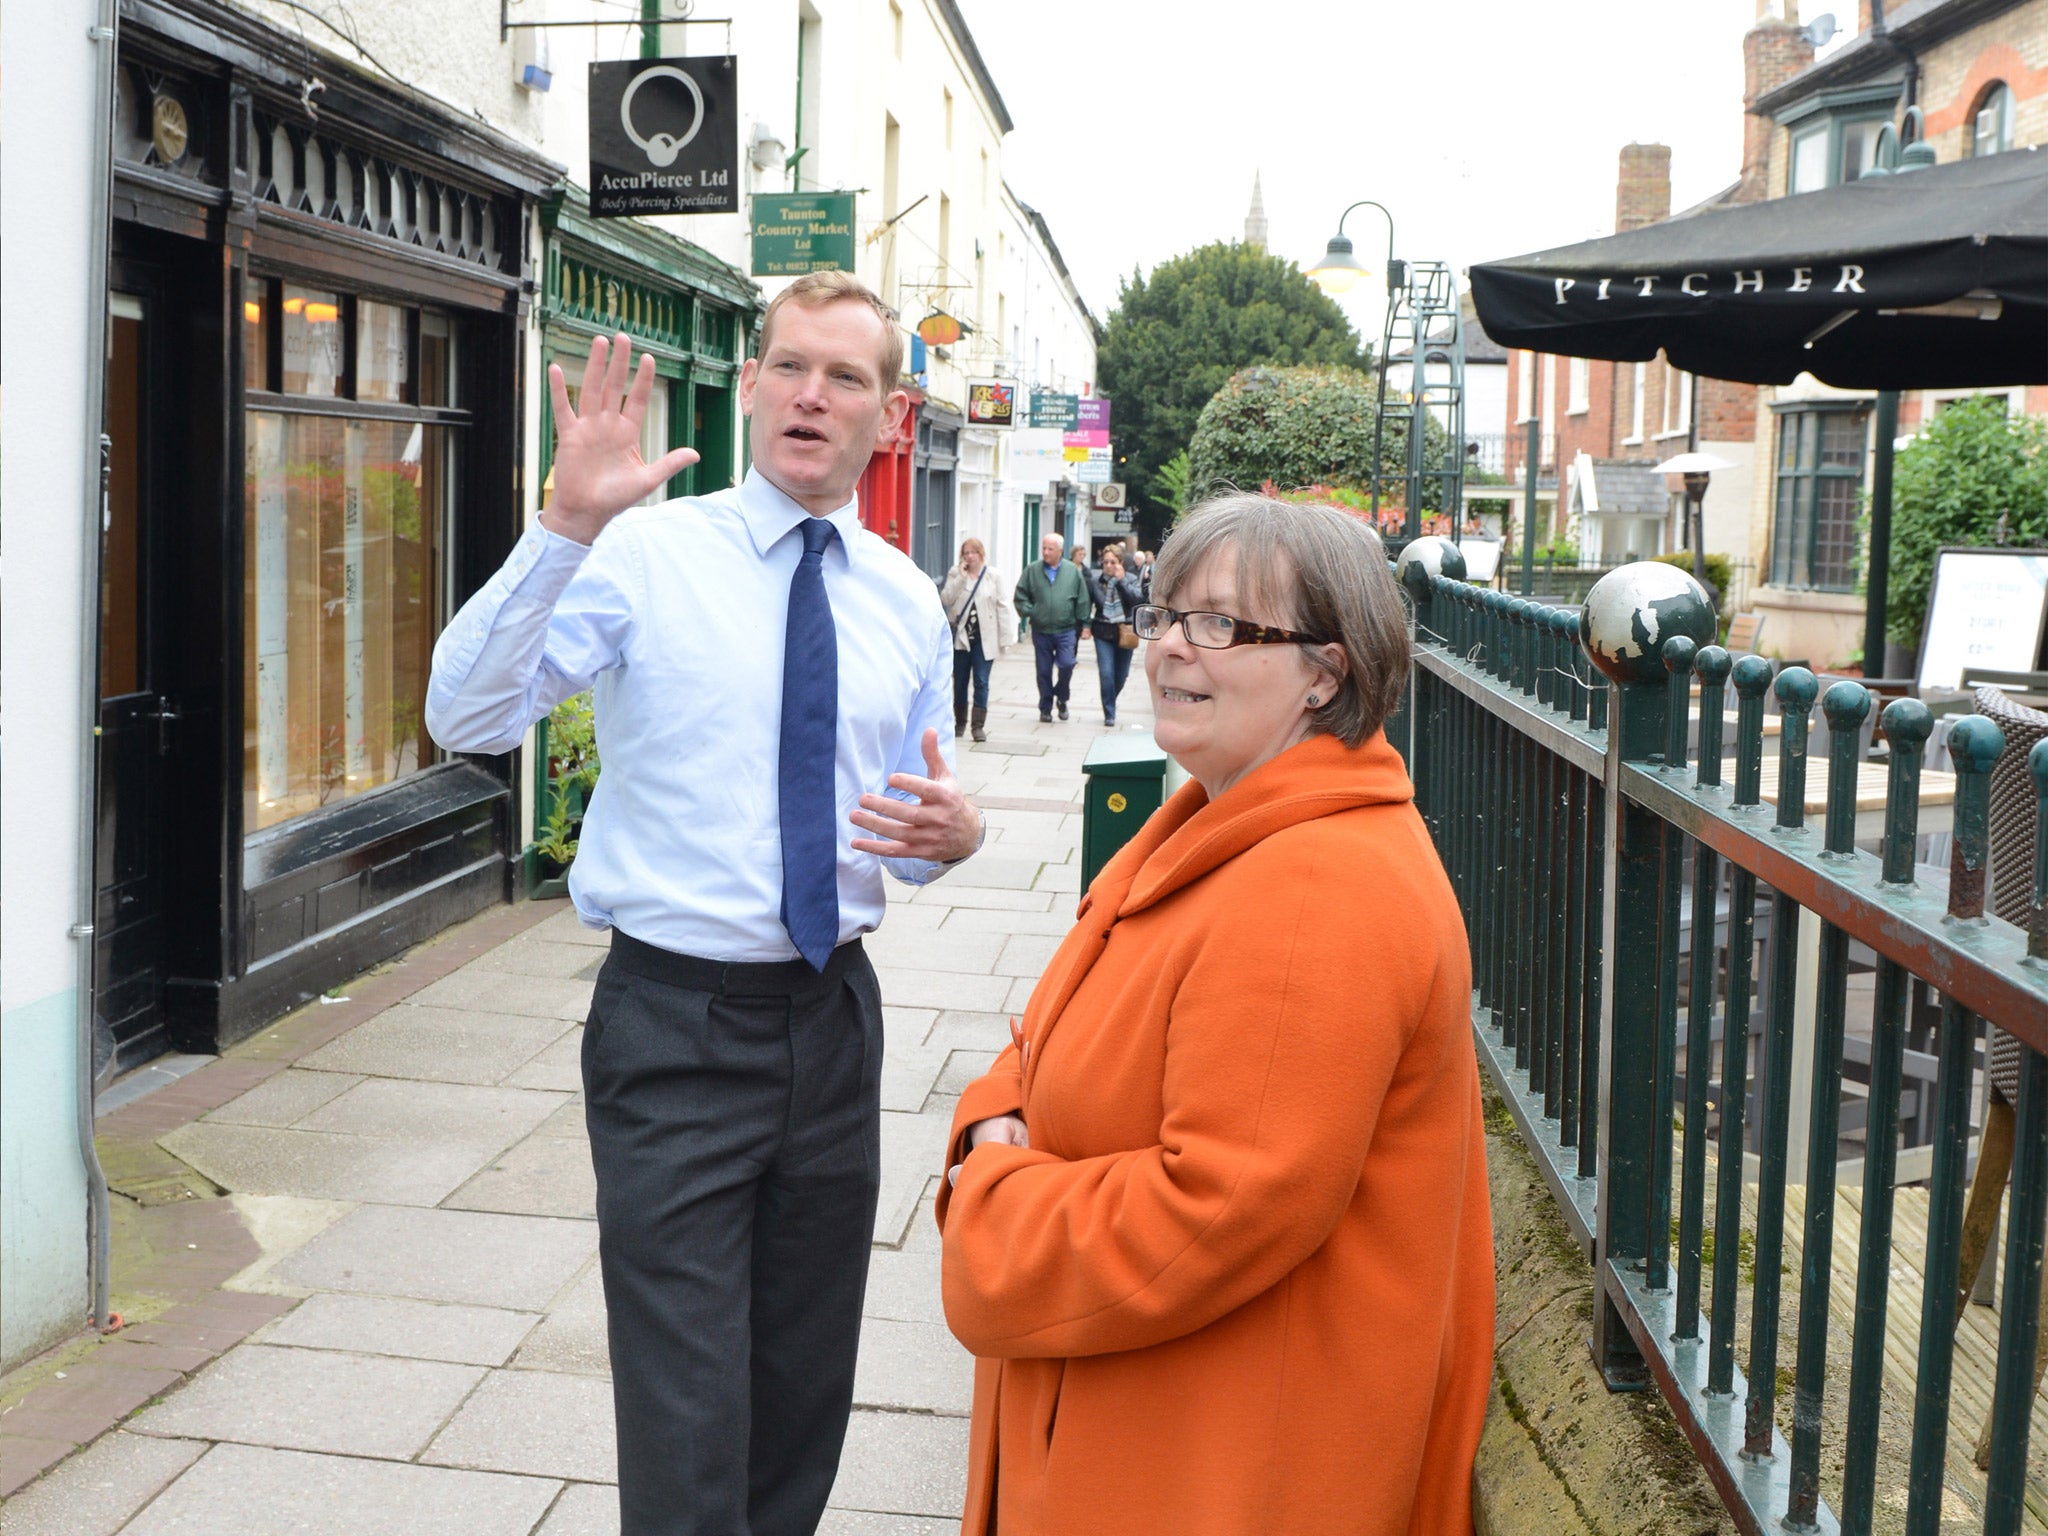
(1092, 415)
(1054, 410)
(664, 136)
(1096, 472)
(1086, 437)
(992, 403)
(799, 232)
(1074, 453)
(939, 329)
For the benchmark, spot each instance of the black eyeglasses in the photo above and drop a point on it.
(1212, 631)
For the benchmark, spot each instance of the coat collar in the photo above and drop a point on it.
(771, 516)
(1191, 835)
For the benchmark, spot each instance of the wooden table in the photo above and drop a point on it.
(1937, 795)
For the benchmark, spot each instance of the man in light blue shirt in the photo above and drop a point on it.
(770, 680)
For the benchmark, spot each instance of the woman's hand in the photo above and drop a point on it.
(1007, 1130)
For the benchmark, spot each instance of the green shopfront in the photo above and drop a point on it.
(696, 316)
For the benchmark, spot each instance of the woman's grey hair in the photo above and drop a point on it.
(1312, 569)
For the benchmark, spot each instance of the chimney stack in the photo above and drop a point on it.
(1773, 51)
(1643, 193)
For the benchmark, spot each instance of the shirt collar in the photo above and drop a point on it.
(771, 516)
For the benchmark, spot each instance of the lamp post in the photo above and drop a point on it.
(1696, 468)
(1338, 273)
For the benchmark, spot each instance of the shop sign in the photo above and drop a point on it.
(799, 232)
(1093, 415)
(992, 403)
(938, 329)
(1075, 453)
(664, 136)
(1095, 472)
(1054, 410)
(1087, 437)
(1125, 517)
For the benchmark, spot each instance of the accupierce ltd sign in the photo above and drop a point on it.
(664, 136)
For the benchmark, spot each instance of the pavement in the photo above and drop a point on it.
(358, 1253)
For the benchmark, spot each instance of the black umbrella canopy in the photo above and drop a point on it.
(1933, 279)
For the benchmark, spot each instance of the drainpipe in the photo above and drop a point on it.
(1877, 579)
(104, 36)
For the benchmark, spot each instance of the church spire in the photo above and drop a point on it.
(1255, 220)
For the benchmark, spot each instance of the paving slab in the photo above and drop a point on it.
(903, 1284)
(903, 1464)
(100, 1489)
(912, 1148)
(993, 871)
(284, 1099)
(942, 893)
(932, 947)
(529, 955)
(914, 1366)
(414, 1330)
(263, 1160)
(584, 1509)
(449, 1045)
(861, 1522)
(565, 927)
(1027, 954)
(482, 1258)
(572, 1338)
(554, 997)
(534, 1422)
(907, 988)
(567, 1121)
(982, 920)
(396, 1110)
(959, 1029)
(1019, 997)
(240, 1490)
(542, 1176)
(314, 1400)
(908, 1072)
(559, 1067)
(962, 1067)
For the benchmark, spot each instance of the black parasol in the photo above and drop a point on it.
(1936, 278)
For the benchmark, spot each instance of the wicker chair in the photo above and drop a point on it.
(2011, 897)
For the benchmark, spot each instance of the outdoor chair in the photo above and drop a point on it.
(1743, 632)
(2011, 895)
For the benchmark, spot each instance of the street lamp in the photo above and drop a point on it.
(1340, 269)
(1696, 468)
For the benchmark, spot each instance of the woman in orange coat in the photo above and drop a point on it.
(1216, 1224)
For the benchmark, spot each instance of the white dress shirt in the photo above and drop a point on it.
(676, 615)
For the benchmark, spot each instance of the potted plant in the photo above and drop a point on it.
(568, 742)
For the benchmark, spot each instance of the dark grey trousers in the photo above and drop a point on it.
(735, 1124)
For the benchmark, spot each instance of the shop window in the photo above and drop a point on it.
(312, 341)
(1814, 541)
(1991, 123)
(345, 519)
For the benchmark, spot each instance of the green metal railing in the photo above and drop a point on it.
(1552, 756)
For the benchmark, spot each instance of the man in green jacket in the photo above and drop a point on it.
(1054, 597)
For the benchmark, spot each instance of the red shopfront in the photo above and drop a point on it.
(885, 485)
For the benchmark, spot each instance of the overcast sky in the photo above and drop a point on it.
(1488, 128)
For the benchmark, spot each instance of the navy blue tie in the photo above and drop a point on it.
(806, 783)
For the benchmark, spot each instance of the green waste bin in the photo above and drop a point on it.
(1128, 778)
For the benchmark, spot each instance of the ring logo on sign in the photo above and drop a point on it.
(661, 149)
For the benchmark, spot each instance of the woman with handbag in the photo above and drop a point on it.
(1116, 595)
(977, 601)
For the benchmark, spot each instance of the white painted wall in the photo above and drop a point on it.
(45, 186)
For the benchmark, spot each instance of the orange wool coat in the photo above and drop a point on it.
(1242, 1279)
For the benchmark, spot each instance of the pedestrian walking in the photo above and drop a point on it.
(1216, 1223)
(1053, 596)
(978, 607)
(1116, 596)
(760, 661)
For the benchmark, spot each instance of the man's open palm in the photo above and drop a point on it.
(598, 469)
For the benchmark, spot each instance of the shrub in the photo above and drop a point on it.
(1720, 569)
(1972, 476)
(1300, 427)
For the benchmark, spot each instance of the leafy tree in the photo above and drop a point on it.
(1972, 476)
(1301, 427)
(1178, 333)
(1171, 483)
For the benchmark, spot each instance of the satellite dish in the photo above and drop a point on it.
(1820, 30)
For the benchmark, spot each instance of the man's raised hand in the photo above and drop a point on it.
(598, 469)
(941, 824)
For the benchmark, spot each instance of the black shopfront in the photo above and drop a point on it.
(317, 304)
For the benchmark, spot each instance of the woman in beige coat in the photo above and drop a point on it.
(977, 601)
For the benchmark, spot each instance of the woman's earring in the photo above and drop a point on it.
(1311, 701)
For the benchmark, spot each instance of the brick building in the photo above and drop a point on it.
(1979, 73)
(1605, 423)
